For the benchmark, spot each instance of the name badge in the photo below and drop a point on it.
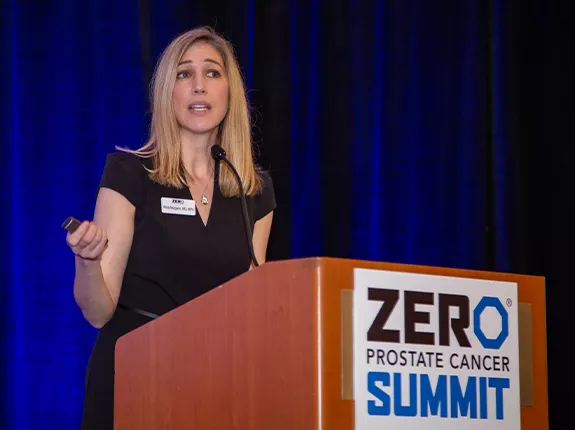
(178, 206)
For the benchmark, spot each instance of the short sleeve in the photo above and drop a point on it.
(265, 202)
(123, 173)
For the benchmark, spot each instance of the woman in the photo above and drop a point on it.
(168, 222)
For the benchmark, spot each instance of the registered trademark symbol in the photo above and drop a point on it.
(509, 303)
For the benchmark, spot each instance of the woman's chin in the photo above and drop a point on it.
(199, 130)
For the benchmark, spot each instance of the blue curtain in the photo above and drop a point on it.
(384, 126)
(73, 89)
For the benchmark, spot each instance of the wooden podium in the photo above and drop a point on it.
(270, 350)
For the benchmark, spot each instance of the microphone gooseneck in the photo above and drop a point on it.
(219, 154)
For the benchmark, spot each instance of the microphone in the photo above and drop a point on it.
(219, 154)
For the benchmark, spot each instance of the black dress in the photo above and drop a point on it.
(173, 259)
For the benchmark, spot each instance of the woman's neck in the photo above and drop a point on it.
(196, 154)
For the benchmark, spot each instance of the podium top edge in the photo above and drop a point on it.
(321, 261)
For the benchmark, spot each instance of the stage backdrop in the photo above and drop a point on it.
(421, 132)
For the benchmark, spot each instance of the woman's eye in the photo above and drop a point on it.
(213, 74)
(183, 74)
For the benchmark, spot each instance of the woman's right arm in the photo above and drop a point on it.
(102, 248)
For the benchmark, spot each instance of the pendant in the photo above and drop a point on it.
(205, 200)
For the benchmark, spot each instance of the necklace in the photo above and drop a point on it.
(204, 198)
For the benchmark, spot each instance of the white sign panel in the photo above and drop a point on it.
(435, 352)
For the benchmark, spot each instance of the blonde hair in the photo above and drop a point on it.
(234, 134)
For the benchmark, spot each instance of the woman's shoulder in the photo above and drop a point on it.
(127, 161)
(264, 200)
(125, 173)
(265, 180)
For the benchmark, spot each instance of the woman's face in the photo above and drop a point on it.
(201, 93)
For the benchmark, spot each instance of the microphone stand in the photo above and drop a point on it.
(219, 154)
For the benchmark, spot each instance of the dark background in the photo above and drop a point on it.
(424, 132)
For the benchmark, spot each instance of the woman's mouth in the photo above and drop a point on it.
(199, 107)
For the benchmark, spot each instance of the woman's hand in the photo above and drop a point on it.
(88, 241)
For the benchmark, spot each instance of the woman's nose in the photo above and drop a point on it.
(198, 85)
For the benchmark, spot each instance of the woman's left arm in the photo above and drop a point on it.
(261, 236)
